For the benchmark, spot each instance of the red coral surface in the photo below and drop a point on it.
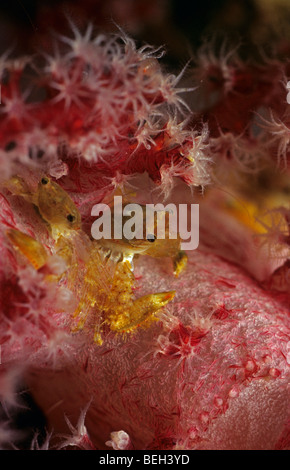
(195, 380)
(99, 113)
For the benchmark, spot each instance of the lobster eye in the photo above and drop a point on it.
(44, 181)
(70, 217)
(151, 238)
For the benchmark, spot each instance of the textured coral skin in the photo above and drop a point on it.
(212, 372)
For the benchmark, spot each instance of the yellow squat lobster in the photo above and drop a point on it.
(98, 272)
